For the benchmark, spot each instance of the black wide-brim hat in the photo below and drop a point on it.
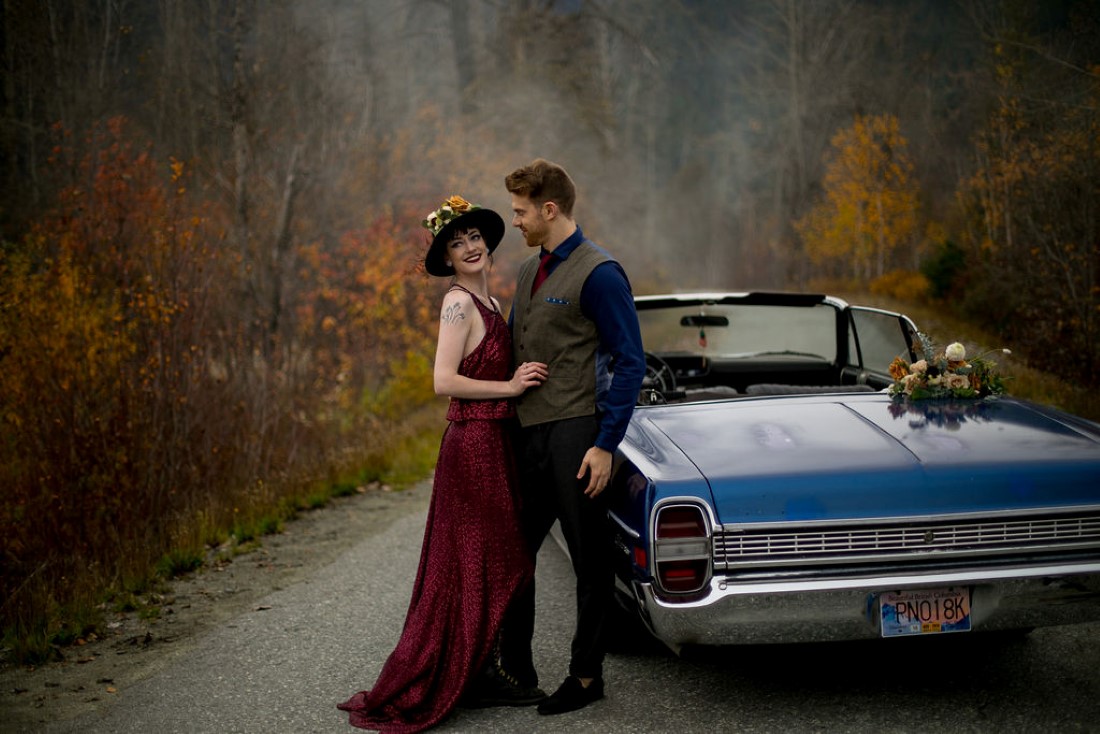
(458, 214)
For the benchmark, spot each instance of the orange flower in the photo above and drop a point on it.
(898, 368)
(458, 204)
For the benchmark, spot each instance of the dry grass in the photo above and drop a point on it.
(58, 605)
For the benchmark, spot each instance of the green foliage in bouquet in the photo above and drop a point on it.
(946, 374)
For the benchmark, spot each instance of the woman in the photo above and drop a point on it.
(474, 559)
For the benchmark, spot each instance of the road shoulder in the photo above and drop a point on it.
(134, 648)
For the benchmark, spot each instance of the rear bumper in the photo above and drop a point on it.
(847, 608)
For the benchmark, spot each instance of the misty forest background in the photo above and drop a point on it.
(211, 312)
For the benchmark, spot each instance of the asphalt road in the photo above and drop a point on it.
(283, 669)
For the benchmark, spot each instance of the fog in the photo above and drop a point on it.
(210, 300)
(697, 131)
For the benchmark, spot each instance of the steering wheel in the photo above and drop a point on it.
(658, 375)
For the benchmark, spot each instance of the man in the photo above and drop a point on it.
(574, 311)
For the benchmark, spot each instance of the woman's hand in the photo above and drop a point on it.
(527, 375)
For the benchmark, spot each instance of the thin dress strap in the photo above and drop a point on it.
(492, 304)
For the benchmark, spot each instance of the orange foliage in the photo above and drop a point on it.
(868, 216)
(138, 413)
(903, 285)
(368, 303)
(99, 362)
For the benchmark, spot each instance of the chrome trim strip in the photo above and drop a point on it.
(742, 564)
(846, 609)
(722, 587)
(897, 519)
(859, 544)
(623, 526)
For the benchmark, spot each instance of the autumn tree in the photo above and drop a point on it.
(140, 421)
(1029, 209)
(103, 421)
(867, 216)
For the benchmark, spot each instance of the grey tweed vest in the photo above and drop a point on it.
(550, 328)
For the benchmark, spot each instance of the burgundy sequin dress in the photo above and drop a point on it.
(473, 560)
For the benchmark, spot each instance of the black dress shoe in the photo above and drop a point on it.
(494, 687)
(571, 695)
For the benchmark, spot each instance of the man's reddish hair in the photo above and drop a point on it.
(543, 181)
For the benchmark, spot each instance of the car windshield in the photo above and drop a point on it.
(720, 330)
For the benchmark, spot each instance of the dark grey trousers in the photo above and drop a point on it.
(548, 457)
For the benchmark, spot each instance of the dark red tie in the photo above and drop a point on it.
(543, 271)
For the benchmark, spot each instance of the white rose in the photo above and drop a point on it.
(919, 368)
(955, 352)
(957, 382)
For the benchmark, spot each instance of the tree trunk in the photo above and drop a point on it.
(282, 240)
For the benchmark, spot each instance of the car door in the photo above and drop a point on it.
(875, 337)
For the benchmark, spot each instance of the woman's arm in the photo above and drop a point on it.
(460, 331)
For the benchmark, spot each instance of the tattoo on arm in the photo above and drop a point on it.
(453, 314)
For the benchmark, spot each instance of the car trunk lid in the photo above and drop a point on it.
(845, 457)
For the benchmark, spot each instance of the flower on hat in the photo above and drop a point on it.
(452, 208)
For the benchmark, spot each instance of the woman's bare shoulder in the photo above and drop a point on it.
(457, 304)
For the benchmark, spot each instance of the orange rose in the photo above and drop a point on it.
(898, 368)
(458, 204)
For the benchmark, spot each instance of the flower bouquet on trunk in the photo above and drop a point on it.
(946, 374)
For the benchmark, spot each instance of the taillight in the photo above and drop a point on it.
(681, 522)
(681, 548)
(682, 576)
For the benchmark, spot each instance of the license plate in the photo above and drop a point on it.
(925, 612)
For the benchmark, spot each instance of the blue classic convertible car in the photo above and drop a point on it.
(771, 488)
